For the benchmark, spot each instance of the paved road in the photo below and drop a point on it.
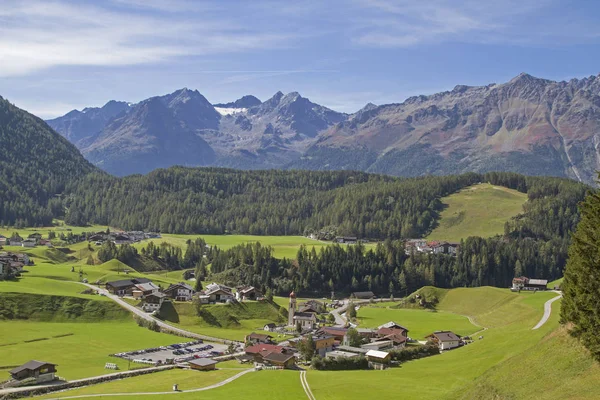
(547, 311)
(146, 316)
(216, 385)
(305, 386)
(339, 320)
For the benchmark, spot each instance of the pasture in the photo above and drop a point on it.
(480, 210)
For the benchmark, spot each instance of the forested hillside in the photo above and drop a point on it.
(36, 164)
(535, 244)
(215, 201)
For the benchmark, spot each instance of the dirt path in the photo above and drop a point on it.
(547, 311)
(305, 386)
(216, 385)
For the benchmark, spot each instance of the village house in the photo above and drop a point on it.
(180, 291)
(306, 320)
(203, 364)
(393, 332)
(121, 286)
(141, 290)
(122, 239)
(281, 360)
(3, 240)
(258, 338)
(524, 283)
(153, 301)
(247, 293)
(380, 344)
(28, 243)
(363, 295)
(270, 327)
(38, 371)
(445, 340)
(271, 354)
(323, 344)
(378, 359)
(346, 239)
(17, 242)
(218, 294)
(335, 354)
(338, 333)
(367, 333)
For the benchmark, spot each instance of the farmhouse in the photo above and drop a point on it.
(218, 295)
(153, 301)
(271, 354)
(524, 283)
(141, 290)
(39, 371)
(363, 295)
(257, 338)
(378, 359)
(346, 239)
(270, 327)
(323, 344)
(282, 360)
(337, 332)
(247, 293)
(120, 287)
(180, 291)
(203, 364)
(445, 340)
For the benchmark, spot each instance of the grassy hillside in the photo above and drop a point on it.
(228, 321)
(479, 210)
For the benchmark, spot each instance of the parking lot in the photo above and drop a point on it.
(179, 352)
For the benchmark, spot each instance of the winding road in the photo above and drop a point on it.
(547, 311)
(164, 326)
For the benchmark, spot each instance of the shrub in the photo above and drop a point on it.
(339, 364)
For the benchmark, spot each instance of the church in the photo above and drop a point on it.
(306, 317)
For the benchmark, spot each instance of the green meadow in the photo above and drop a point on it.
(480, 210)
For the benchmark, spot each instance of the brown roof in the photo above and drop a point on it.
(30, 365)
(390, 331)
(444, 336)
(397, 339)
(277, 357)
(259, 336)
(258, 348)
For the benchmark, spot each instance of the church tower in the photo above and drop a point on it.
(292, 309)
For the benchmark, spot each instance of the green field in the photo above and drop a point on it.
(157, 382)
(81, 354)
(419, 322)
(479, 210)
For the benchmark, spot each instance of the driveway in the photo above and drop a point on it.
(547, 311)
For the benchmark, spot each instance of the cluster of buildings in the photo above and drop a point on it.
(13, 263)
(153, 296)
(122, 237)
(33, 240)
(431, 247)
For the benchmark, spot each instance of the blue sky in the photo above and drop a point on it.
(59, 55)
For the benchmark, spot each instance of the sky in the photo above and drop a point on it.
(60, 55)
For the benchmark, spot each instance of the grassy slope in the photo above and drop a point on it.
(227, 321)
(79, 355)
(438, 377)
(479, 210)
(419, 322)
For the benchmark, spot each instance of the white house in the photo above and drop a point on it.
(446, 340)
(180, 291)
(28, 243)
(153, 301)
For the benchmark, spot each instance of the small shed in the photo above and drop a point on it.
(378, 359)
(203, 364)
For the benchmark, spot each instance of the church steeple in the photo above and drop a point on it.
(292, 309)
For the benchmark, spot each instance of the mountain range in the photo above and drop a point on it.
(527, 125)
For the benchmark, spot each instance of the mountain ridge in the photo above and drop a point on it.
(527, 125)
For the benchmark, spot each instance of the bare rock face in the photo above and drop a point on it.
(527, 125)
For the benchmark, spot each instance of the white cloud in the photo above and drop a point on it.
(39, 35)
(406, 23)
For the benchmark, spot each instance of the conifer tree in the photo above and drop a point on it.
(582, 278)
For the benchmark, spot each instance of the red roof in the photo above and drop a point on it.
(262, 348)
(390, 331)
